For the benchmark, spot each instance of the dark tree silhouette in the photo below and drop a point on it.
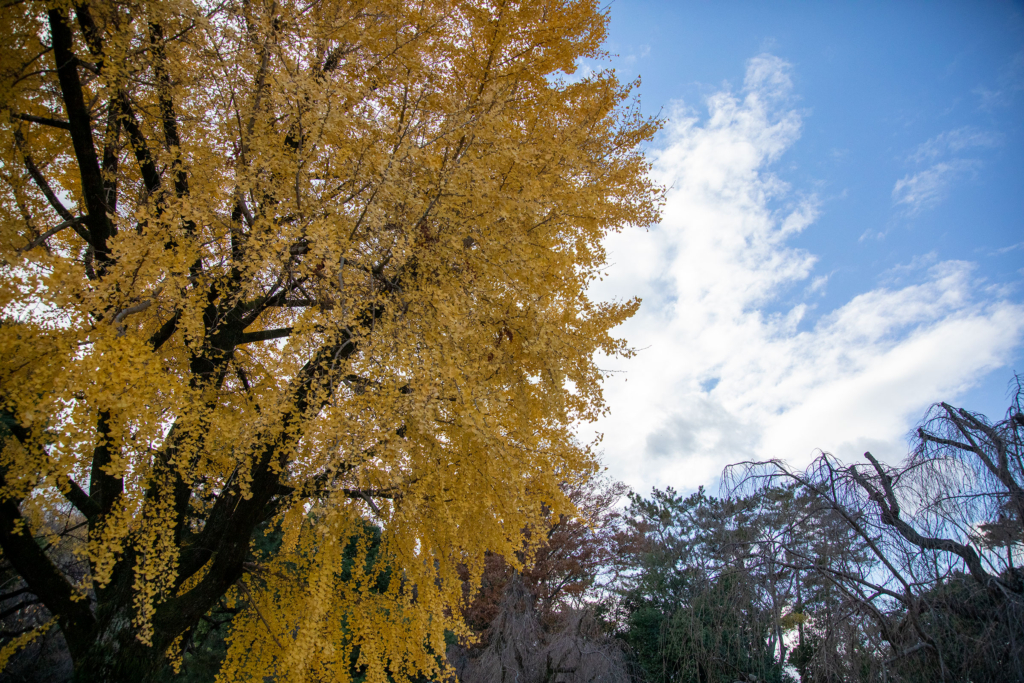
(937, 592)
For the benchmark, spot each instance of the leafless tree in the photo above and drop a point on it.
(521, 649)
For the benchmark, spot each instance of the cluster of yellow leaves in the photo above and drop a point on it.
(426, 182)
(19, 642)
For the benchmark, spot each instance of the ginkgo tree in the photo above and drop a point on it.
(297, 265)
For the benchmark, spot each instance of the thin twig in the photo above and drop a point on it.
(256, 607)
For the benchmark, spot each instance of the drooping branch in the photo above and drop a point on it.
(997, 448)
(964, 422)
(826, 492)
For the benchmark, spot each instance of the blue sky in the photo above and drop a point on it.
(843, 242)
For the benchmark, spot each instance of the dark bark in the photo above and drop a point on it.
(116, 656)
(264, 335)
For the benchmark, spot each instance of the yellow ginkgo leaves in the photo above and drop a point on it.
(305, 271)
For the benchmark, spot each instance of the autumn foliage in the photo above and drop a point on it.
(285, 267)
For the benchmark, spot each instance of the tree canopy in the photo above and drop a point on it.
(297, 265)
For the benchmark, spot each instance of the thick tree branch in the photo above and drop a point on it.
(40, 180)
(80, 499)
(264, 335)
(43, 121)
(104, 487)
(11, 423)
(372, 493)
(89, 29)
(111, 157)
(80, 126)
(43, 578)
(233, 517)
(168, 117)
(292, 303)
(832, 500)
(51, 232)
(890, 514)
(165, 332)
(17, 608)
(999, 468)
(147, 167)
(925, 436)
(15, 593)
(44, 186)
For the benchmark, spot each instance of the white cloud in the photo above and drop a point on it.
(721, 379)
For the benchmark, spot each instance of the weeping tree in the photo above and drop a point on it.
(936, 591)
(544, 621)
(569, 646)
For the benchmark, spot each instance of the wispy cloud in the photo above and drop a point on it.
(1012, 247)
(720, 378)
(953, 141)
(644, 51)
(1007, 87)
(926, 189)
